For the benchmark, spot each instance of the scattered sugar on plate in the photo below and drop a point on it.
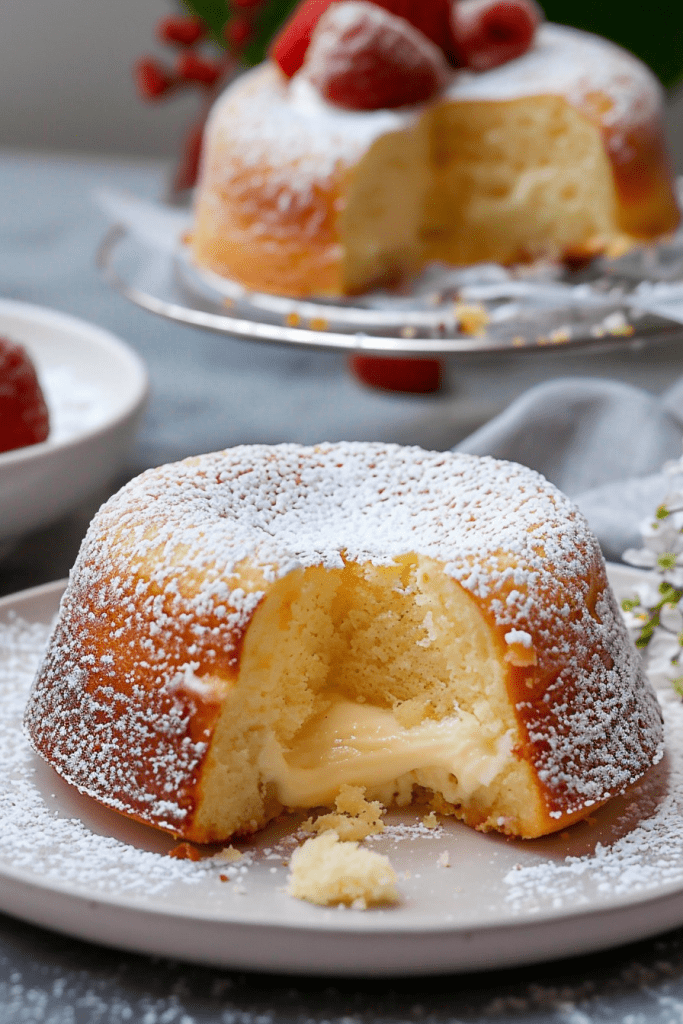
(648, 857)
(38, 840)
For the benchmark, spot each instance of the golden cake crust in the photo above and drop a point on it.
(155, 626)
(558, 154)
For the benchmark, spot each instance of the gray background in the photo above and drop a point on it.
(66, 78)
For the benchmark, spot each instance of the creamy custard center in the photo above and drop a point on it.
(363, 745)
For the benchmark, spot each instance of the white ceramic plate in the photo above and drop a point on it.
(71, 865)
(95, 387)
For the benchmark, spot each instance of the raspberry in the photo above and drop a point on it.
(153, 80)
(23, 413)
(192, 68)
(289, 48)
(411, 376)
(237, 32)
(487, 33)
(363, 58)
(182, 31)
(290, 45)
(430, 16)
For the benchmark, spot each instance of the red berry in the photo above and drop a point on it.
(431, 17)
(237, 32)
(246, 3)
(363, 58)
(185, 176)
(412, 376)
(289, 48)
(183, 31)
(153, 80)
(487, 33)
(290, 45)
(192, 68)
(23, 413)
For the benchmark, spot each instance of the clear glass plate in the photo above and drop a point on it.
(448, 312)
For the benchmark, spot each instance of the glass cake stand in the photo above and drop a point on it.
(484, 309)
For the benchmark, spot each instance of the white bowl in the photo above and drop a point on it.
(95, 387)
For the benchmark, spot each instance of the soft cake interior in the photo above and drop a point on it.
(477, 181)
(515, 180)
(388, 677)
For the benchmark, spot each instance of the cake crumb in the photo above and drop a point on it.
(430, 820)
(185, 851)
(444, 859)
(472, 319)
(413, 711)
(327, 871)
(354, 817)
(228, 855)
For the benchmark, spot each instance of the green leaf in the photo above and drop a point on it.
(653, 35)
(217, 13)
(268, 21)
(214, 12)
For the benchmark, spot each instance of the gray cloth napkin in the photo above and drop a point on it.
(601, 442)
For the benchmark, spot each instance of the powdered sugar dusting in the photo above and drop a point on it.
(293, 140)
(576, 65)
(291, 130)
(647, 857)
(75, 405)
(42, 841)
(174, 566)
(57, 848)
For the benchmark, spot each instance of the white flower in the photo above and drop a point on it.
(662, 651)
(674, 576)
(659, 625)
(662, 535)
(671, 619)
(643, 558)
(634, 619)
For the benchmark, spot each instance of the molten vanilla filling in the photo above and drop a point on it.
(362, 745)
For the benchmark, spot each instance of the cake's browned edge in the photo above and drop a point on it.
(107, 721)
(568, 726)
